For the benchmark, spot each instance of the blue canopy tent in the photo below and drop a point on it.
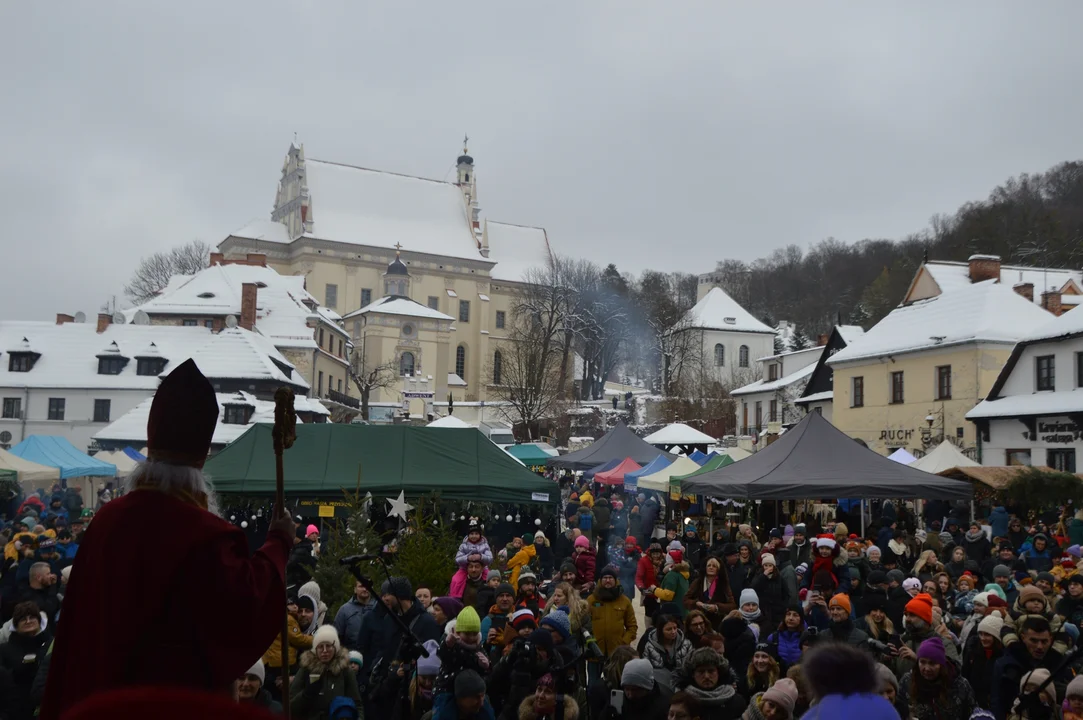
(57, 452)
(134, 454)
(699, 457)
(602, 468)
(631, 480)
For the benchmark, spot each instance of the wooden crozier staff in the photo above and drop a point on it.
(284, 433)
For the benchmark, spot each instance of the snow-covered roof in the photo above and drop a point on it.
(771, 385)
(131, 427)
(399, 305)
(449, 421)
(981, 312)
(376, 208)
(678, 434)
(718, 311)
(70, 353)
(950, 276)
(1070, 323)
(282, 303)
(793, 353)
(268, 230)
(850, 333)
(816, 397)
(516, 249)
(239, 353)
(1040, 403)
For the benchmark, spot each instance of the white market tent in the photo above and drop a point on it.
(28, 471)
(679, 434)
(660, 480)
(736, 453)
(943, 457)
(124, 463)
(902, 455)
(449, 421)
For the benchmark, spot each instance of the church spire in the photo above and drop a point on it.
(467, 182)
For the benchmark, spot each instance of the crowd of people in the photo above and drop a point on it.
(623, 617)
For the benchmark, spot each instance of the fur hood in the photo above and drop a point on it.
(338, 663)
(526, 708)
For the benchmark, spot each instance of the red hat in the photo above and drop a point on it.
(182, 418)
(996, 601)
(922, 606)
(631, 539)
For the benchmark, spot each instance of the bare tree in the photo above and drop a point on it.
(154, 272)
(370, 377)
(529, 375)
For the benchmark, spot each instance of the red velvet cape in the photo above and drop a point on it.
(164, 593)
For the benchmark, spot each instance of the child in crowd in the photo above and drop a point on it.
(473, 544)
(1073, 700)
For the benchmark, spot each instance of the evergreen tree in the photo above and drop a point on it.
(799, 341)
(859, 316)
(780, 347)
(351, 535)
(426, 550)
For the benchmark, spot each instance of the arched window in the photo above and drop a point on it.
(460, 362)
(743, 357)
(498, 367)
(720, 355)
(406, 364)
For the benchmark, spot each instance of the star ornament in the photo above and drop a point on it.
(399, 506)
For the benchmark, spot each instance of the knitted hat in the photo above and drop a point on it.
(608, 570)
(638, 673)
(429, 666)
(704, 657)
(525, 575)
(799, 528)
(356, 657)
(558, 620)
(474, 526)
(877, 577)
(1074, 550)
(933, 649)
(469, 684)
(582, 542)
(523, 618)
(873, 550)
(841, 600)
(729, 549)
(528, 538)
(995, 590)
(1048, 577)
(505, 589)
(1075, 688)
(542, 638)
(631, 540)
(922, 606)
(1030, 592)
(768, 559)
(991, 625)
(304, 602)
(566, 567)
(855, 573)
(801, 568)
(450, 606)
(886, 677)
(969, 579)
(1037, 677)
(911, 583)
(896, 576)
(675, 545)
(748, 595)
(1077, 578)
(312, 530)
(874, 601)
(1002, 571)
(945, 537)
(400, 587)
(995, 601)
(468, 620)
(783, 693)
(326, 634)
(258, 671)
(539, 535)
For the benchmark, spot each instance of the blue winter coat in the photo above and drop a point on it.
(789, 645)
(998, 520)
(348, 622)
(626, 570)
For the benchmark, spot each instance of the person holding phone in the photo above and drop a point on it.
(324, 675)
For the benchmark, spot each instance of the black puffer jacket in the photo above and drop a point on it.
(20, 656)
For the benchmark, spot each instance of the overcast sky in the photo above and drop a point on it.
(651, 134)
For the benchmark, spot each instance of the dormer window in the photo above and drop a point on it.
(22, 357)
(237, 414)
(110, 360)
(149, 362)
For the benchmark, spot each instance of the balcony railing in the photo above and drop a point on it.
(343, 399)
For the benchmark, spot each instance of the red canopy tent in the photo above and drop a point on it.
(615, 476)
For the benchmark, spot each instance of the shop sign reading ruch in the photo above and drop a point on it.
(896, 435)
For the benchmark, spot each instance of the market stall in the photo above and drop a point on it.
(615, 475)
(678, 437)
(631, 480)
(662, 479)
(944, 457)
(617, 444)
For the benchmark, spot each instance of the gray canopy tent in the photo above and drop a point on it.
(814, 459)
(617, 444)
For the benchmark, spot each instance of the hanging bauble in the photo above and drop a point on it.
(233, 518)
(508, 518)
(462, 517)
(435, 521)
(253, 518)
(517, 517)
(244, 523)
(537, 521)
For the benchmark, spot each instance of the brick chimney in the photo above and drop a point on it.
(248, 305)
(1025, 289)
(62, 318)
(217, 258)
(1051, 302)
(104, 321)
(984, 267)
(259, 259)
(821, 339)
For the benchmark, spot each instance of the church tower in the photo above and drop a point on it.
(293, 206)
(467, 182)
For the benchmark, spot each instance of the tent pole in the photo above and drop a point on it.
(971, 511)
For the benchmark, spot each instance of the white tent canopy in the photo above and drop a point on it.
(679, 434)
(902, 455)
(449, 421)
(660, 480)
(734, 452)
(943, 457)
(124, 464)
(27, 471)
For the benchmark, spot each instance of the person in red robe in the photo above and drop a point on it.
(164, 592)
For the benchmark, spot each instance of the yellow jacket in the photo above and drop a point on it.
(10, 553)
(273, 657)
(523, 557)
(586, 499)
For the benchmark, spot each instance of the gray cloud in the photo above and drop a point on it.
(649, 134)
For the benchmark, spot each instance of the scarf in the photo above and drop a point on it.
(899, 548)
(711, 588)
(714, 696)
(752, 616)
(974, 535)
(608, 594)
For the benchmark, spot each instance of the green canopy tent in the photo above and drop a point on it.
(529, 453)
(460, 464)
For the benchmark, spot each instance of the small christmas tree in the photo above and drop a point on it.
(799, 341)
(426, 550)
(351, 535)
